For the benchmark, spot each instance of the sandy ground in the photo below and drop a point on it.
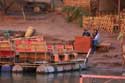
(54, 25)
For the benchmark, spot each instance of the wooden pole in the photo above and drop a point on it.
(35, 53)
(4, 6)
(81, 80)
(119, 7)
(53, 5)
(119, 4)
(98, 13)
(24, 16)
(2, 12)
(46, 51)
(25, 54)
(103, 77)
(0, 55)
(123, 55)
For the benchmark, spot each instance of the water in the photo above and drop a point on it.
(38, 78)
(70, 77)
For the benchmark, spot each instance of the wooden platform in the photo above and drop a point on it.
(104, 46)
(46, 67)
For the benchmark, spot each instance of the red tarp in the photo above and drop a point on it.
(82, 44)
(4, 53)
(6, 49)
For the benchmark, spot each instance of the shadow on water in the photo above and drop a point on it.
(70, 77)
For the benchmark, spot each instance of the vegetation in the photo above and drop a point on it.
(74, 13)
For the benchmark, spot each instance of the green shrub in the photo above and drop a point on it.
(74, 13)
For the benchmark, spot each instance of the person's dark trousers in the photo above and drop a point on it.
(94, 45)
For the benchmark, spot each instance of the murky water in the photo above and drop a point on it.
(70, 77)
(38, 78)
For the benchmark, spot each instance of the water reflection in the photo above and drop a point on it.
(57, 78)
(70, 77)
(39, 78)
(17, 76)
(6, 75)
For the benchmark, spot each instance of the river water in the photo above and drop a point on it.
(38, 78)
(69, 77)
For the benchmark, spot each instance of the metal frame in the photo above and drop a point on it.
(83, 77)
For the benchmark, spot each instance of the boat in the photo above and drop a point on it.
(33, 53)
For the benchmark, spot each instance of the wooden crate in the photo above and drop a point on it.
(104, 23)
(32, 57)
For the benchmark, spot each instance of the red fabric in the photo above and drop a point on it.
(7, 53)
(82, 44)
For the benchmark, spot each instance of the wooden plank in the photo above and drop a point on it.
(104, 77)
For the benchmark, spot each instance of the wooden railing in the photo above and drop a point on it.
(110, 78)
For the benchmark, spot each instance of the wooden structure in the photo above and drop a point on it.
(104, 47)
(98, 6)
(31, 49)
(82, 3)
(7, 53)
(108, 79)
(109, 23)
(61, 52)
(64, 66)
(19, 6)
(11, 5)
(122, 21)
(46, 68)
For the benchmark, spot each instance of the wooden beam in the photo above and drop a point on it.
(4, 5)
(7, 7)
(103, 77)
(119, 7)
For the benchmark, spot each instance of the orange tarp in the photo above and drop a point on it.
(82, 44)
(29, 45)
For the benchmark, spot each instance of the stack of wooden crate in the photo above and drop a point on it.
(122, 20)
(123, 24)
(87, 21)
(104, 23)
(81, 3)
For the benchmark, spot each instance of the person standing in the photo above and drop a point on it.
(96, 40)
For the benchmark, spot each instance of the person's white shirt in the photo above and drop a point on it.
(97, 37)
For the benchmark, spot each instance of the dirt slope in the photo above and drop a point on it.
(52, 24)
